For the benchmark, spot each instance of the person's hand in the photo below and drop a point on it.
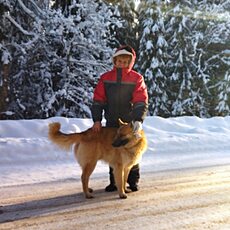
(97, 126)
(137, 126)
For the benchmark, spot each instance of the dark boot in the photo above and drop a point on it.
(111, 187)
(133, 178)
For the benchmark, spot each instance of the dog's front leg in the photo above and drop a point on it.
(126, 174)
(119, 179)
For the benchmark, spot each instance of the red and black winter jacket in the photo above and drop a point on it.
(120, 93)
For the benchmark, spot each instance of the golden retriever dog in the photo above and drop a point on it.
(119, 147)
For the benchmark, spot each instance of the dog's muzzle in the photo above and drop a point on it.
(120, 142)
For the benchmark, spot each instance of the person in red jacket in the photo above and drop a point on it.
(121, 93)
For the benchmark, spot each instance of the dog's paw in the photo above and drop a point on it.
(123, 196)
(90, 190)
(89, 196)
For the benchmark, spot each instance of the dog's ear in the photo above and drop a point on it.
(122, 122)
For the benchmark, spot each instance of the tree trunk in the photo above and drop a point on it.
(4, 90)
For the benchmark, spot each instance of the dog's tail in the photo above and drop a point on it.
(65, 141)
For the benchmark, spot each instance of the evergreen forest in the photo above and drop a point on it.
(52, 54)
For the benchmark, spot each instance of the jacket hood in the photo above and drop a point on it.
(128, 50)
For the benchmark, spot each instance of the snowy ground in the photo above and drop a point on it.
(185, 179)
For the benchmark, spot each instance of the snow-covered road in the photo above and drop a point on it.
(168, 200)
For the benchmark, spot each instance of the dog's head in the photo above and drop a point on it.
(124, 134)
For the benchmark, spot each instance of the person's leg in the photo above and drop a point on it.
(133, 178)
(111, 187)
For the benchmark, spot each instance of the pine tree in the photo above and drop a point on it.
(127, 34)
(223, 106)
(5, 56)
(186, 87)
(152, 56)
(85, 35)
(57, 58)
(177, 58)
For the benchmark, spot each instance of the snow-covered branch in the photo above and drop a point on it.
(87, 62)
(28, 11)
(37, 8)
(25, 32)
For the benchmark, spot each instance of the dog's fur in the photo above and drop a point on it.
(119, 147)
